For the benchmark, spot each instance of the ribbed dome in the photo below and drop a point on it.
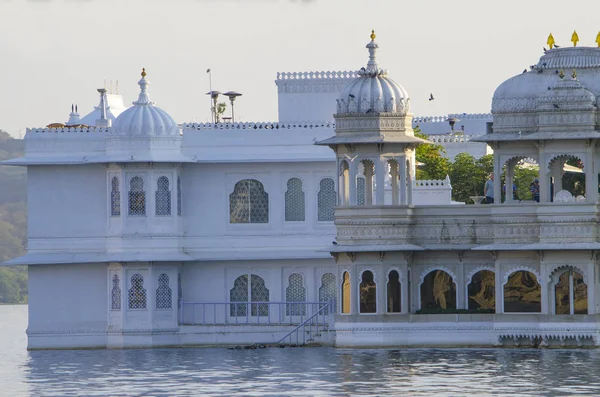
(520, 93)
(373, 90)
(143, 118)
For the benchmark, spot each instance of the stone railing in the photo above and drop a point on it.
(63, 130)
(345, 74)
(444, 119)
(451, 138)
(257, 125)
(533, 225)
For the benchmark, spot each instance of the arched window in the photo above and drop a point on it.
(163, 196)
(295, 292)
(327, 291)
(178, 195)
(438, 291)
(115, 294)
(393, 293)
(163, 293)
(570, 294)
(137, 292)
(522, 293)
(115, 197)
(256, 291)
(482, 291)
(326, 200)
(368, 293)
(346, 291)
(249, 203)
(137, 197)
(294, 201)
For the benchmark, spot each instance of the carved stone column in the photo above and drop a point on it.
(352, 182)
(380, 171)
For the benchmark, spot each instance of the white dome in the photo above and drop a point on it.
(373, 90)
(144, 119)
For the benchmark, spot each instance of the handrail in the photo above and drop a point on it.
(303, 325)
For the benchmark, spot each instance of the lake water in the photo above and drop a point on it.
(288, 372)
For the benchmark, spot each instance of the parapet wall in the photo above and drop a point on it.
(310, 95)
(469, 123)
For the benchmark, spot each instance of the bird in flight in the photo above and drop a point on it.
(431, 98)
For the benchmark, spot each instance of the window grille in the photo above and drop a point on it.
(178, 195)
(326, 200)
(361, 190)
(294, 201)
(137, 197)
(115, 197)
(295, 292)
(163, 196)
(115, 294)
(327, 292)
(256, 291)
(137, 292)
(249, 203)
(163, 293)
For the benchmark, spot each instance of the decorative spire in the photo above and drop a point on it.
(561, 74)
(550, 41)
(144, 98)
(598, 39)
(574, 74)
(574, 38)
(372, 66)
(73, 117)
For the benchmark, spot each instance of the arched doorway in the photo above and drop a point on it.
(368, 293)
(482, 291)
(522, 293)
(570, 293)
(438, 291)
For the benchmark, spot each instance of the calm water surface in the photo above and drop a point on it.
(288, 372)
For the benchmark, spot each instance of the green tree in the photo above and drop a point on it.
(431, 164)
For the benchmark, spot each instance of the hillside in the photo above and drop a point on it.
(13, 221)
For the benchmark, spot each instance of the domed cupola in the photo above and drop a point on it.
(144, 119)
(566, 106)
(373, 91)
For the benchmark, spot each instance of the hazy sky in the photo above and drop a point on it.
(57, 52)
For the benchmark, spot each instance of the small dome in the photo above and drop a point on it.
(567, 94)
(373, 90)
(143, 118)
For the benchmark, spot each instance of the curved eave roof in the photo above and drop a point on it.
(359, 139)
(536, 136)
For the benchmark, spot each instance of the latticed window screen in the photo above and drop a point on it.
(163, 196)
(115, 197)
(327, 199)
(294, 201)
(295, 292)
(257, 291)
(249, 203)
(327, 291)
(178, 195)
(115, 294)
(137, 196)
(361, 190)
(137, 292)
(163, 293)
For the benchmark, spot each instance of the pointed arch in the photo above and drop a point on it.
(326, 200)
(249, 203)
(137, 197)
(294, 201)
(115, 197)
(296, 293)
(162, 197)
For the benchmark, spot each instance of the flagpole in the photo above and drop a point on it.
(212, 110)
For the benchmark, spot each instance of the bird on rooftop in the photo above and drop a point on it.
(555, 106)
(431, 98)
(334, 242)
(556, 46)
(524, 70)
(544, 49)
(351, 96)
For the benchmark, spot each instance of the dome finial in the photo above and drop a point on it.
(372, 67)
(574, 38)
(550, 41)
(373, 35)
(143, 72)
(144, 98)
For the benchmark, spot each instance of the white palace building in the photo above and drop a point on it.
(146, 232)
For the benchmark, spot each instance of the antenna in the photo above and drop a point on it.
(117, 88)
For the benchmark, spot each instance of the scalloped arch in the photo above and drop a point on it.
(520, 157)
(559, 268)
(367, 269)
(521, 268)
(566, 156)
(433, 268)
(473, 272)
(391, 269)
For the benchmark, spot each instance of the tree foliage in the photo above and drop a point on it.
(13, 221)
(431, 163)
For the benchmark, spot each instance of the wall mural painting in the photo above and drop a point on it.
(522, 293)
(567, 303)
(482, 291)
(368, 293)
(438, 291)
